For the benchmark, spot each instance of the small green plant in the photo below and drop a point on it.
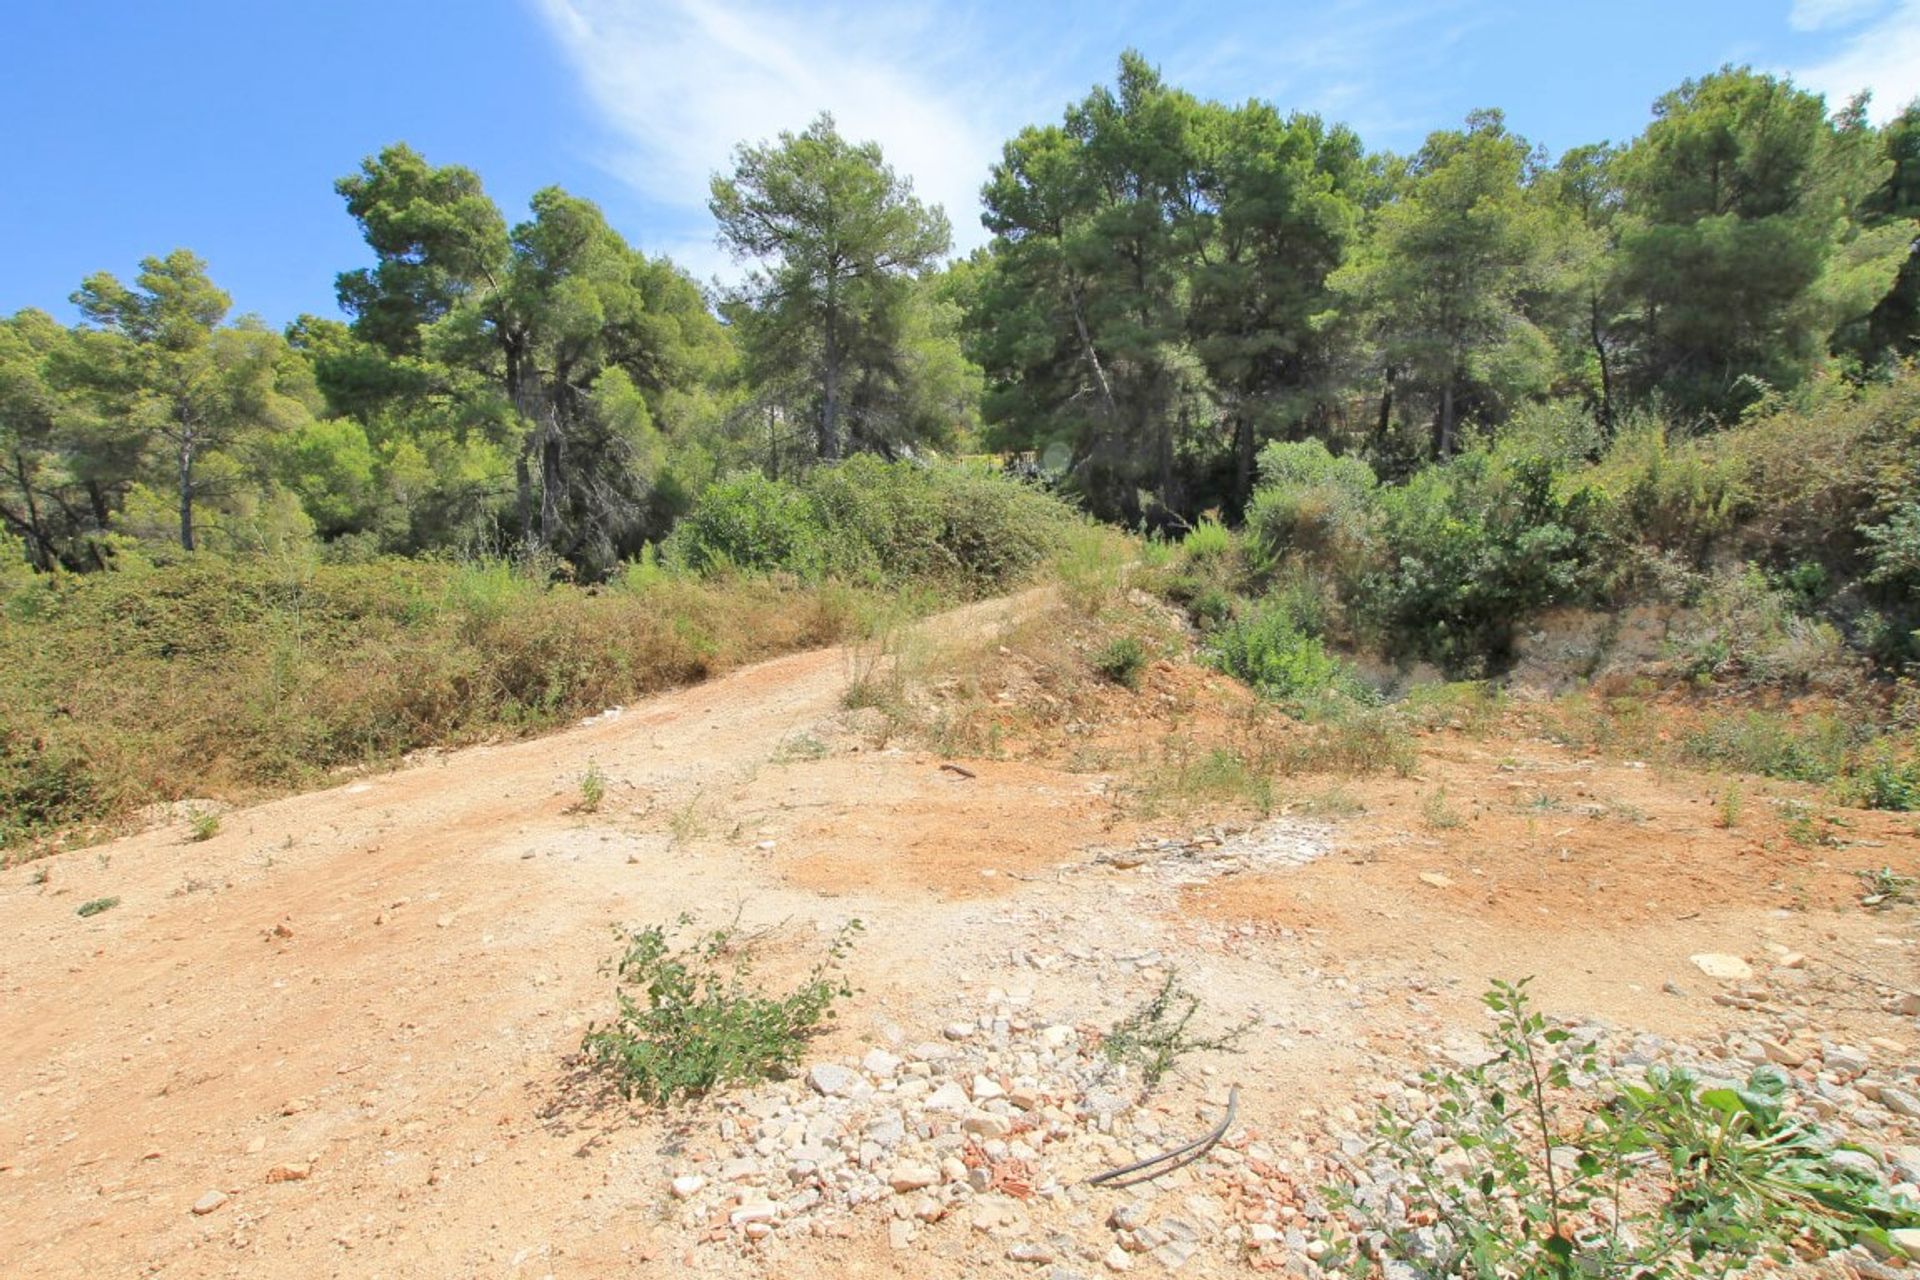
(686, 823)
(202, 825)
(1887, 888)
(1806, 824)
(1155, 1036)
(95, 907)
(691, 1018)
(1538, 1166)
(1122, 661)
(1438, 814)
(593, 789)
(1886, 783)
(1731, 801)
(1208, 540)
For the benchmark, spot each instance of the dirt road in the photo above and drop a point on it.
(340, 1027)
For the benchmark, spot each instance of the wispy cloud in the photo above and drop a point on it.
(940, 84)
(1820, 15)
(681, 82)
(1882, 56)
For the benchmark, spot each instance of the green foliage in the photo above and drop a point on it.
(692, 1017)
(1880, 779)
(750, 522)
(1122, 660)
(837, 236)
(1207, 540)
(1774, 744)
(1472, 548)
(1156, 1036)
(95, 906)
(1750, 630)
(876, 523)
(1312, 504)
(203, 824)
(1536, 1164)
(1267, 648)
(593, 788)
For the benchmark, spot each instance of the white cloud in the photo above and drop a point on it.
(1883, 57)
(1820, 15)
(681, 82)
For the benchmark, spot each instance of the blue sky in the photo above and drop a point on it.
(135, 127)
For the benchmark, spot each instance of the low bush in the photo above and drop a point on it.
(691, 1017)
(1155, 1036)
(1122, 660)
(1539, 1164)
(1268, 649)
(875, 523)
(1313, 506)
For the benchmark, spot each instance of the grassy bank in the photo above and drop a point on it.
(232, 679)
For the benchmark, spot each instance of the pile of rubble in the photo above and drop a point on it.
(1225, 850)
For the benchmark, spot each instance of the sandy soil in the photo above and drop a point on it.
(378, 987)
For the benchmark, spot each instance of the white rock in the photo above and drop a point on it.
(831, 1079)
(912, 1177)
(1720, 965)
(687, 1185)
(985, 1088)
(880, 1064)
(209, 1202)
(949, 1097)
(1907, 1240)
(959, 1031)
(984, 1124)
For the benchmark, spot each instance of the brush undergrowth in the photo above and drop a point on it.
(693, 1017)
(1539, 1165)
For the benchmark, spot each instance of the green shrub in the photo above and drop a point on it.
(1470, 550)
(747, 521)
(1881, 780)
(95, 906)
(1207, 540)
(1772, 743)
(1122, 660)
(691, 1020)
(1312, 505)
(1156, 1036)
(1748, 630)
(1537, 1165)
(1268, 650)
(875, 523)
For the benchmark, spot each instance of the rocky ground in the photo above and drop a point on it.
(340, 1037)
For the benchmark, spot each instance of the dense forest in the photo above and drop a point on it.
(1172, 285)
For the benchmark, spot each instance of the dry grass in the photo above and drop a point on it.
(228, 681)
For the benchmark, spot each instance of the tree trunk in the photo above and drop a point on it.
(97, 499)
(830, 411)
(1443, 426)
(1385, 423)
(553, 476)
(41, 546)
(1606, 370)
(186, 491)
(523, 490)
(1243, 453)
(1093, 356)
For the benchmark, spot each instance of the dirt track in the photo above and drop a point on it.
(379, 984)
